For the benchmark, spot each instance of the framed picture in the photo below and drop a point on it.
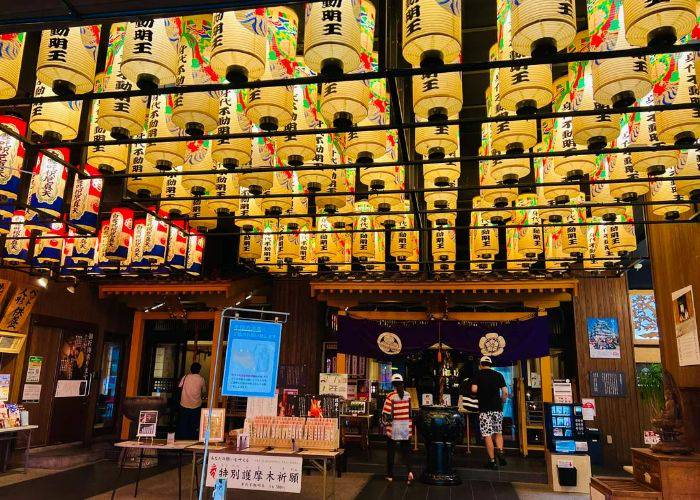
(218, 419)
(644, 322)
(603, 338)
(148, 423)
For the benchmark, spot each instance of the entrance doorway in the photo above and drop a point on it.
(110, 381)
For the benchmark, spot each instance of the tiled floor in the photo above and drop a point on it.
(378, 488)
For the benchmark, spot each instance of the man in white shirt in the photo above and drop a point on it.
(193, 388)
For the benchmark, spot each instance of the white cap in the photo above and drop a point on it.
(485, 359)
(396, 377)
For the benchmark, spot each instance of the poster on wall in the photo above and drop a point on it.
(603, 338)
(216, 433)
(644, 322)
(686, 327)
(34, 369)
(4, 387)
(335, 384)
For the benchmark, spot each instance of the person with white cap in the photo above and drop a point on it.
(396, 415)
(491, 391)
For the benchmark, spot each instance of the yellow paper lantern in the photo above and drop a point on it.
(364, 241)
(143, 186)
(439, 219)
(196, 113)
(199, 158)
(325, 247)
(542, 27)
(592, 131)
(529, 236)
(106, 158)
(509, 170)
(268, 256)
(249, 206)
(436, 96)
(444, 248)
(123, 116)
(500, 197)
(658, 24)
(67, 59)
(271, 107)
(331, 202)
(554, 196)
(643, 132)
(289, 244)
(296, 210)
(319, 180)
(598, 255)
(689, 165)
(282, 183)
(164, 155)
(55, 121)
(621, 166)
(665, 190)
(432, 32)
(151, 52)
(377, 177)
(226, 185)
(332, 36)
(296, 149)
(239, 45)
(443, 174)
(436, 142)
(574, 241)
(11, 51)
(173, 188)
(617, 82)
(621, 237)
(202, 215)
(231, 153)
(250, 246)
(401, 246)
(441, 200)
(553, 252)
(484, 240)
(523, 89)
(600, 193)
(307, 250)
(262, 155)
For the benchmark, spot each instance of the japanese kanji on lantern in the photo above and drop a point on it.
(231, 153)
(138, 261)
(250, 246)
(296, 149)
(401, 246)
(48, 184)
(198, 158)
(177, 245)
(554, 196)
(163, 155)
(151, 52)
(325, 247)
(268, 257)
(332, 36)
(689, 165)
(106, 158)
(202, 217)
(122, 116)
(11, 51)
(484, 238)
(11, 156)
(621, 166)
(437, 96)
(196, 113)
(574, 238)
(263, 154)
(658, 24)
(444, 245)
(432, 31)
(643, 132)
(250, 214)
(528, 220)
(600, 192)
(119, 233)
(542, 28)
(363, 241)
(173, 188)
(664, 191)
(85, 203)
(443, 174)
(621, 237)
(195, 253)
(54, 121)
(239, 45)
(67, 59)
(282, 184)
(319, 180)
(377, 177)
(226, 187)
(331, 201)
(436, 142)
(17, 240)
(49, 248)
(156, 236)
(147, 186)
(84, 248)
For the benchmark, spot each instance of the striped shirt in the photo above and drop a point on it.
(398, 408)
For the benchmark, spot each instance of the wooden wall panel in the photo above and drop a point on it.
(617, 417)
(675, 263)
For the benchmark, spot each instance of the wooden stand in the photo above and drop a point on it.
(621, 488)
(675, 476)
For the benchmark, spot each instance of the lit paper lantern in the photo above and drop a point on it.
(401, 241)
(528, 220)
(177, 245)
(195, 253)
(268, 256)
(173, 188)
(325, 248)
(151, 52)
(592, 131)
(436, 96)
(249, 213)
(515, 259)
(555, 258)
(436, 142)
(319, 180)
(509, 170)
(444, 248)
(377, 177)
(250, 246)
(501, 197)
(542, 27)
(106, 158)
(484, 240)
(574, 241)
(617, 82)
(365, 240)
(600, 193)
(621, 237)
(232, 153)
(432, 32)
(226, 185)
(523, 89)
(297, 207)
(67, 59)
(138, 261)
(598, 255)
(270, 107)
(621, 166)
(665, 190)
(11, 51)
(674, 83)
(48, 250)
(196, 112)
(17, 241)
(147, 186)
(48, 184)
(202, 215)
(123, 116)
(198, 157)
(11, 155)
(164, 155)
(332, 36)
(568, 167)
(554, 196)
(155, 237)
(289, 242)
(443, 174)
(688, 165)
(54, 121)
(85, 203)
(643, 132)
(331, 201)
(119, 234)
(307, 251)
(385, 203)
(239, 45)
(282, 183)
(658, 24)
(84, 249)
(296, 149)
(263, 155)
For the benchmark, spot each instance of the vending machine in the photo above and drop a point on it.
(565, 428)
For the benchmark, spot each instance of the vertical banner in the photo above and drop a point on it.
(252, 358)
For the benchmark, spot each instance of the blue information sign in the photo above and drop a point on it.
(252, 358)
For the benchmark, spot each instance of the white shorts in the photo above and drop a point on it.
(491, 422)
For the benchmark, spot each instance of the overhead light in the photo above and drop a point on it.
(238, 303)
(43, 282)
(249, 296)
(70, 289)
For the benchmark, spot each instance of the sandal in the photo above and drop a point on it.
(410, 478)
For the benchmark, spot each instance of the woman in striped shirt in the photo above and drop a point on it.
(399, 428)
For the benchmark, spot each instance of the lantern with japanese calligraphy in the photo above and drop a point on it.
(296, 210)
(231, 153)
(296, 149)
(268, 255)
(119, 233)
(620, 81)
(436, 142)
(620, 166)
(658, 24)
(401, 242)
(262, 155)
(443, 174)
(437, 96)
(332, 36)
(100, 264)
(542, 27)
(250, 246)
(307, 250)
(151, 52)
(289, 241)
(239, 44)
(196, 112)
(270, 108)
(574, 238)
(173, 188)
(11, 156)
(177, 245)
(509, 170)
(156, 236)
(523, 89)
(621, 237)
(643, 132)
(514, 258)
(364, 240)
(106, 158)
(598, 255)
(442, 218)
(195, 252)
(282, 184)
(376, 177)
(501, 196)
(444, 248)
(198, 158)
(442, 201)
(432, 31)
(67, 59)
(664, 190)
(164, 155)
(689, 165)
(122, 116)
(49, 247)
(484, 240)
(54, 121)
(146, 186)
(250, 214)
(319, 180)
(529, 230)
(674, 83)
(593, 131)
(11, 51)
(48, 184)
(85, 203)
(555, 258)
(600, 191)
(331, 201)
(226, 186)
(84, 248)
(385, 203)
(202, 215)
(506, 136)
(17, 240)
(569, 167)
(556, 196)
(137, 260)
(325, 248)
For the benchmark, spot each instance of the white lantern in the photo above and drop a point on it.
(11, 51)
(173, 188)
(199, 158)
(231, 153)
(432, 32)
(658, 24)
(665, 191)
(147, 186)
(164, 155)
(436, 96)
(55, 121)
(239, 45)
(643, 132)
(689, 165)
(262, 155)
(107, 158)
(151, 52)
(332, 37)
(542, 27)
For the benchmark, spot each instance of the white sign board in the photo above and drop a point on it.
(31, 392)
(562, 391)
(333, 383)
(70, 388)
(588, 406)
(255, 472)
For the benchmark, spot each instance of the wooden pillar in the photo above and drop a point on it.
(217, 337)
(134, 369)
(546, 375)
(340, 363)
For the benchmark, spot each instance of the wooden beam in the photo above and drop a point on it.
(454, 316)
(188, 288)
(215, 360)
(134, 369)
(160, 315)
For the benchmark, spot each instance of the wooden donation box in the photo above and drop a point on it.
(675, 476)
